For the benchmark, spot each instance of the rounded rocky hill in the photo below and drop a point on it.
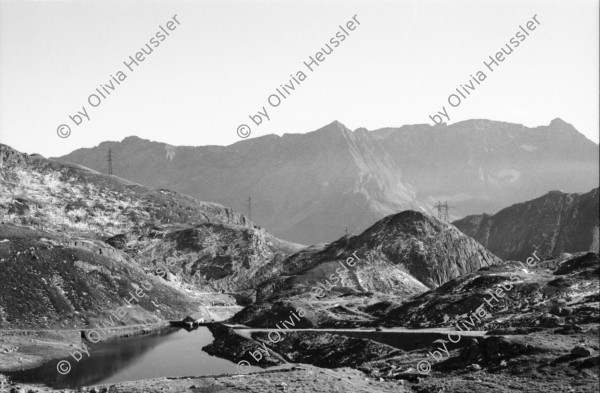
(402, 254)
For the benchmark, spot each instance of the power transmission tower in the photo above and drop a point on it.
(444, 217)
(110, 161)
(442, 209)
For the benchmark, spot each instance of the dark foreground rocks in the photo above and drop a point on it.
(305, 379)
(540, 362)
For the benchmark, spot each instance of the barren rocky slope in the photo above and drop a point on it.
(210, 256)
(554, 223)
(49, 194)
(51, 283)
(307, 187)
(74, 243)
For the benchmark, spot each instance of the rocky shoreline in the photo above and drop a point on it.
(37, 347)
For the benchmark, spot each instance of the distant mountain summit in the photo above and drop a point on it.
(555, 223)
(308, 187)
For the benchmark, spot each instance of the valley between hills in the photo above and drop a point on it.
(76, 243)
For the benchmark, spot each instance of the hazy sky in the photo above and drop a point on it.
(225, 58)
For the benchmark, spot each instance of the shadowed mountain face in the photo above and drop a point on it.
(308, 187)
(554, 223)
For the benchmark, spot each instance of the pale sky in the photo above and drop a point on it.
(225, 58)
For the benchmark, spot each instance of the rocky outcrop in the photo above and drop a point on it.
(212, 256)
(430, 250)
(549, 293)
(553, 224)
(230, 345)
(328, 350)
(321, 349)
(490, 351)
(273, 314)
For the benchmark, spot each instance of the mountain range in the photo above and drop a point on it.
(308, 188)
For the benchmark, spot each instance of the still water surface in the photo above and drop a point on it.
(170, 352)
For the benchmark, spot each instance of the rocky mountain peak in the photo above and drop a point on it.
(402, 254)
(133, 139)
(408, 221)
(431, 250)
(335, 129)
(560, 123)
(337, 125)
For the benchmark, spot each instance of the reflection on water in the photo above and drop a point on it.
(170, 352)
